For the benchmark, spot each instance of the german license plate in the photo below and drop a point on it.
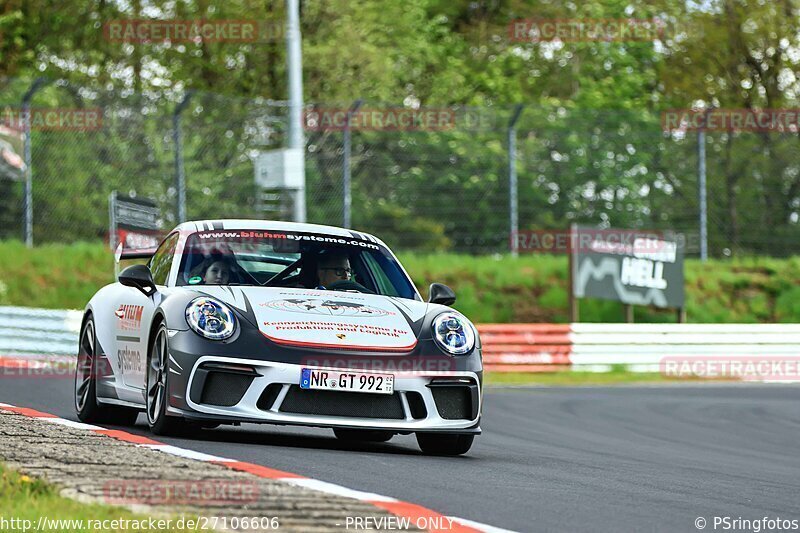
(347, 381)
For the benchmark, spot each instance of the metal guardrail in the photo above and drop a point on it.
(29, 332)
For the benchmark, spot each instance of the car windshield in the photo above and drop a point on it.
(298, 260)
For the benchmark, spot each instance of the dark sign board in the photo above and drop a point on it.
(134, 223)
(628, 266)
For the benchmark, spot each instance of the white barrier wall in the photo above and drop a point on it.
(32, 332)
(648, 344)
(28, 332)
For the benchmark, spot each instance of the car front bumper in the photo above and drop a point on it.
(430, 401)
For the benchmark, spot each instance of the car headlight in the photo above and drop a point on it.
(210, 318)
(453, 334)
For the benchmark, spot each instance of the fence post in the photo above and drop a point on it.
(701, 187)
(572, 275)
(27, 214)
(112, 222)
(513, 212)
(347, 196)
(294, 73)
(180, 174)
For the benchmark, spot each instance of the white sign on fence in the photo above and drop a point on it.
(280, 169)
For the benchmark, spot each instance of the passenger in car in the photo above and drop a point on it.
(214, 270)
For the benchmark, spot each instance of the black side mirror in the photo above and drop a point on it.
(441, 294)
(138, 277)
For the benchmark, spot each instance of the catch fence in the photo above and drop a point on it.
(422, 178)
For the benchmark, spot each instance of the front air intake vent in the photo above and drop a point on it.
(453, 402)
(223, 389)
(416, 405)
(268, 397)
(338, 403)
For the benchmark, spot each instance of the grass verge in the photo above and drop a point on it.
(497, 288)
(24, 500)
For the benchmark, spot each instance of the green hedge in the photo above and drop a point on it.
(497, 288)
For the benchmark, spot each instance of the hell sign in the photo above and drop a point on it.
(628, 266)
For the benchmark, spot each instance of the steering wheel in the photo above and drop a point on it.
(348, 285)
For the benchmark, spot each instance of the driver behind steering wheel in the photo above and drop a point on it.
(334, 273)
(333, 267)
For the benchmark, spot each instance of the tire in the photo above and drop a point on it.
(444, 444)
(88, 409)
(157, 387)
(362, 435)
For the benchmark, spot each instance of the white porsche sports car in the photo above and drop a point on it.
(236, 321)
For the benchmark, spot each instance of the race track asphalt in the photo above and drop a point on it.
(634, 458)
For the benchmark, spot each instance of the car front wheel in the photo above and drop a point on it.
(157, 386)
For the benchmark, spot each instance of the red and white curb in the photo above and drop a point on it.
(417, 514)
